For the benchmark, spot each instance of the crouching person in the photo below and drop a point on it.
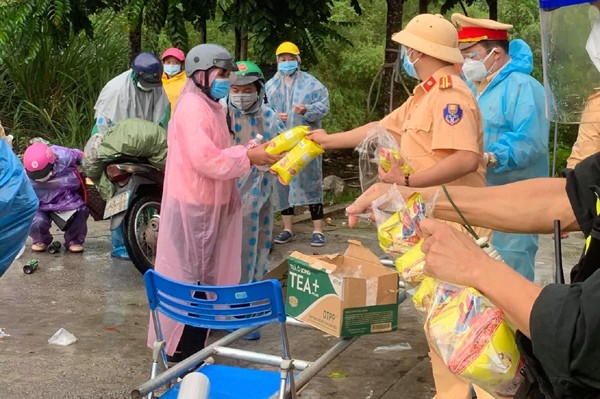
(55, 178)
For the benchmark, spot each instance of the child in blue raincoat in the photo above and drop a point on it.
(249, 116)
(300, 99)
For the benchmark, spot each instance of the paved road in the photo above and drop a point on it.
(102, 302)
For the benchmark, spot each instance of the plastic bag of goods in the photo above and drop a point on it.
(398, 221)
(375, 150)
(473, 338)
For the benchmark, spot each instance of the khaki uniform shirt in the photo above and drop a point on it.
(441, 115)
(588, 136)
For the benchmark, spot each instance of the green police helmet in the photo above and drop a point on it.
(248, 72)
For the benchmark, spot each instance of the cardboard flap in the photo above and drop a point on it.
(357, 251)
(387, 289)
(315, 263)
(355, 292)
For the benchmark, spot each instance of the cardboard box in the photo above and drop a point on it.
(343, 295)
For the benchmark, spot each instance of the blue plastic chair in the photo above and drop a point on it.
(243, 308)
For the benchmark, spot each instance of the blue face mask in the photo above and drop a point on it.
(219, 88)
(409, 66)
(172, 69)
(287, 67)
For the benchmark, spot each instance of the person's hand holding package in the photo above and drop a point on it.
(260, 157)
(448, 252)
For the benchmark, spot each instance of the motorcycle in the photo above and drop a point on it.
(136, 204)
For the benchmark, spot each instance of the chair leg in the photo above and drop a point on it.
(287, 371)
(158, 354)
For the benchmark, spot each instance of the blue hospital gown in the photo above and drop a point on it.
(255, 190)
(515, 129)
(283, 93)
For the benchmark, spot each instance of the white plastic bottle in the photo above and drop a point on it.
(255, 142)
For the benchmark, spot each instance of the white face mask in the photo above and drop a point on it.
(243, 101)
(475, 70)
(142, 88)
(593, 44)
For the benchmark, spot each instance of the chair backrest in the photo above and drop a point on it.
(216, 307)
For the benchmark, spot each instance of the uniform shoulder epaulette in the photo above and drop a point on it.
(429, 84)
(445, 82)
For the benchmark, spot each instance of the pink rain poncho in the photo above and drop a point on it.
(200, 238)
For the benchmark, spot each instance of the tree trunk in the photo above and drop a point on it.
(243, 45)
(394, 24)
(135, 42)
(238, 43)
(493, 6)
(423, 6)
(202, 29)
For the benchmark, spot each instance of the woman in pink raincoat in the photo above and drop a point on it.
(200, 237)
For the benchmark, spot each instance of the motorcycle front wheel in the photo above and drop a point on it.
(141, 231)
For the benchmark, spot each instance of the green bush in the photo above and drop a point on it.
(53, 94)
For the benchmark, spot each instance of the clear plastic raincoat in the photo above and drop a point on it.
(120, 99)
(200, 238)
(283, 92)
(255, 189)
(516, 131)
(18, 204)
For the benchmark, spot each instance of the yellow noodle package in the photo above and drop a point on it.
(400, 232)
(472, 337)
(295, 160)
(386, 165)
(410, 265)
(287, 140)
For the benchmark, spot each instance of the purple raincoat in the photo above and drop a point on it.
(61, 192)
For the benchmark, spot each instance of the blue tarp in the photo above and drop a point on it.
(553, 4)
(18, 204)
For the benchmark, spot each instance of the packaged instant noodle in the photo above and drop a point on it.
(473, 338)
(287, 140)
(375, 150)
(471, 335)
(410, 265)
(400, 232)
(386, 165)
(295, 160)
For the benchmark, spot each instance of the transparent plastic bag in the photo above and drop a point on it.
(398, 221)
(472, 337)
(375, 150)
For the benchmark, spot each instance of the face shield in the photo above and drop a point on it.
(570, 76)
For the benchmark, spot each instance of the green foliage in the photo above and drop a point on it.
(307, 23)
(26, 24)
(52, 95)
(349, 71)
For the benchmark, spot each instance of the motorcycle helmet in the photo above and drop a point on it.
(39, 161)
(148, 69)
(206, 56)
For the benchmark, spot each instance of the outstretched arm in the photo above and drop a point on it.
(528, 206)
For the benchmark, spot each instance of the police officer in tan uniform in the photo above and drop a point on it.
(439, 128)
(588, 136)
(439, 131)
